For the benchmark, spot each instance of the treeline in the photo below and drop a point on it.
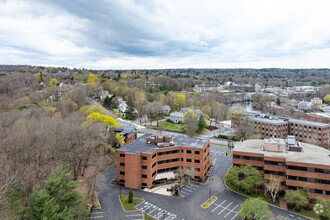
(37, 133)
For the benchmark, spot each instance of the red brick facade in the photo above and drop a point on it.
(293, 174)
(138, 170)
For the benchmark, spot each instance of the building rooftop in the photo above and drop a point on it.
(280, 120)
(310, 153)
(268, 119)
(140, 145)
(311, 123)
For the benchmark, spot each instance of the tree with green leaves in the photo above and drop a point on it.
(130, 112)
(255, 209)
(322, 207)
(327, 98)
(252, 179)
(180, 100)
(298, 198)
(201, 124)
(58, 199)
(52, 82)
(130, 196)
(190, 123)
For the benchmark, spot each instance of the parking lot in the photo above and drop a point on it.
(224, 209)
(188, 189)
(155, 211)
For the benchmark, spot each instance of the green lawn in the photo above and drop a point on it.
(209, 202)
(224, 145)
(170, 126)
(129, 206)
(228, 154)
(309, 213)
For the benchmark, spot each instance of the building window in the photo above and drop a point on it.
(153, 156)
(144, 167)
(188, 160)
(197, 152)
(144, 184)
(144, 158)
(197, 161)
(168, 161)
(237, 156)
(122, 155)
(154, 173)
(197, 169)
(181, 159)
(317, 170)
(154, 165)
(144, 176)
(122, 164)
(122, 173)
(274, 163)
(181, 151)
(297, 168)
(168, 152)
(188, 151)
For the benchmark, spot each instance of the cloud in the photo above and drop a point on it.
(165, 34)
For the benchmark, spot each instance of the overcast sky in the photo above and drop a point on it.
(128, 34)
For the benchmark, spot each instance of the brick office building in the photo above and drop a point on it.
(296, 164)
(152, 159)
(304, 131)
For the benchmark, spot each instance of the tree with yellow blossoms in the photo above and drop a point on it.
(52, 82)
(108, 121)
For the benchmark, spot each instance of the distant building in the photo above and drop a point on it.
(305, 105)
(166, 109)
(319, 117)
(152, 160)
(297, 165)
(176, 117)
(316, 101)
(129, 133)
(303, 130)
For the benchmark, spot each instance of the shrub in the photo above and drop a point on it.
(130, 196)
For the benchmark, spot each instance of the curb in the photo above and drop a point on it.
(262, 200)
(134, 206)
(211, 203)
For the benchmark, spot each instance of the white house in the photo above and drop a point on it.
(166, 109)
(176, 117)
(316, 101)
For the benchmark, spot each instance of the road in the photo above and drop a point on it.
(167, 207)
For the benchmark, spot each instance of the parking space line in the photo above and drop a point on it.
(231, 211)
(190, 187)
(96, 217)
(184, 192)
(218, 206)
(153, 210)
(194, 184)
(134, 215)
(186, 189)
(225, 208)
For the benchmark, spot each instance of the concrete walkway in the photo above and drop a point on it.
(283, 204)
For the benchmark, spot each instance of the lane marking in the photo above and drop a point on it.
(96, 217)
(96, 212)
(225, 208)
(135, 215)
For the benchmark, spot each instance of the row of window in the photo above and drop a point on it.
(318, 191)
(275, 163)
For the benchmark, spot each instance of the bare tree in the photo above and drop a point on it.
(272, 186)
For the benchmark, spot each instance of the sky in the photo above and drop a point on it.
(155, 34)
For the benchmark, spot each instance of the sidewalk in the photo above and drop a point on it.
(283, 204)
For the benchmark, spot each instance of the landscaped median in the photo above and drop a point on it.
(209, 202)
(129, 206)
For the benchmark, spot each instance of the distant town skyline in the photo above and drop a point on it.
(165, 34)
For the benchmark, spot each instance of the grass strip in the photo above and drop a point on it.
(129, 206)
(209, 202)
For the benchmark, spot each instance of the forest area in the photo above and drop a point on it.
(49, 131)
